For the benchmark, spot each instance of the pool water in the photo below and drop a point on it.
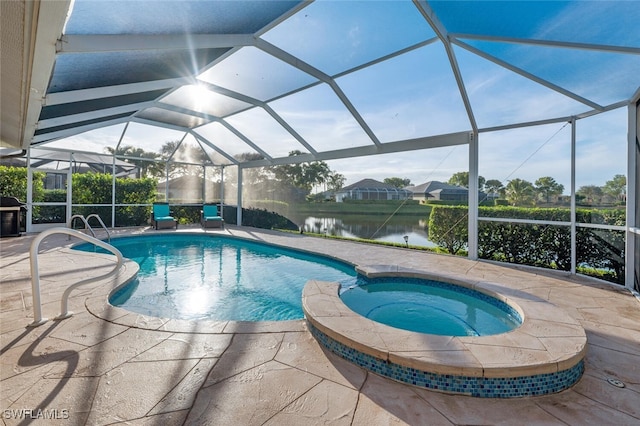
(431, 307)
(219, 278)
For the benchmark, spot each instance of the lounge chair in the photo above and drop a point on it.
(210, 217)
(162, 216)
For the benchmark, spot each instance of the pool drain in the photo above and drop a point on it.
(615, 382)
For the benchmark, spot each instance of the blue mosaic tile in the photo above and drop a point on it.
(484, 387)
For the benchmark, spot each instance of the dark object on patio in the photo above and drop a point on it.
(12, 216)
(210, 217)
(162, 216)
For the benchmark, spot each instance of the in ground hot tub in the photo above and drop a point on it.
(543, 355)
(429, 306)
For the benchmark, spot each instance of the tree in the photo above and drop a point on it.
(459, 179)
(316, 173)
(397, 182)
(186, 159)
(520, 192)
(462, 179)
(494, 187)
(253, 175)
(303, 175)
(336, 181)
(547, 187)
(616, 188)
(148, 163)
(592, 194)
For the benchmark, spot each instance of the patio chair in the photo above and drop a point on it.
(162, 216)
(210, 218)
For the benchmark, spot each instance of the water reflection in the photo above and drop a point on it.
(372, 227)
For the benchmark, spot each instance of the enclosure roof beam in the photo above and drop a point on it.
(60, 134)
(451, 139)
(117, 90)
(430, 16)
(304, 67)
(92, 115)
(263, 105)
(530, 76)
(245, 139)
(213, 146)
(158, 124)
(549, 43)
(91, 43)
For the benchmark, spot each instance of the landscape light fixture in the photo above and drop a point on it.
(406, 240)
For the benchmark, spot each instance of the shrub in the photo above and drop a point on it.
(258, 218)
(13, 183)
(547, 246)
(96, 188)
(448, 227)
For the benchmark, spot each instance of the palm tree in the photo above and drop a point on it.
(494, 187)
(520, 192)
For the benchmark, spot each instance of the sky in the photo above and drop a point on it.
(416, 94)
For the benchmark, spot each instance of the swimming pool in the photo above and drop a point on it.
(189, 276)
(428, 306)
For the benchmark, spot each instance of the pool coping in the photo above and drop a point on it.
(548, 346)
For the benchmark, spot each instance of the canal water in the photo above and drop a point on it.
(372, 227)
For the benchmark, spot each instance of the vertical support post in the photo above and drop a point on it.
(239, 211)
(633, 233)
(166, 177)
(473, 196)
(69, 209)
(572, 213)
(222, 192)
(113, 192)
(29, 200)
(113, 174)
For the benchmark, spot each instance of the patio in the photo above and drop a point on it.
(88, 370)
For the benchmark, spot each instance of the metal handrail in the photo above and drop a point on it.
(101, 223)
(86, 224)
(35, 273)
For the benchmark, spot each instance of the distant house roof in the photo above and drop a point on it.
(82, 162)
(183, 183)
(368, 184)
(434, 186)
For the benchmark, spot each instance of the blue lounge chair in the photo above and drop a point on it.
(162, 216)
(210, 217)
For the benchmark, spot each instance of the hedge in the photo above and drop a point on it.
(96, 188)
(13, 183)
(599, 252)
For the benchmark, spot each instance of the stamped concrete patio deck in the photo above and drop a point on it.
(90, 370)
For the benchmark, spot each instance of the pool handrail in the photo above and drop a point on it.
(97, 216)
(84, 220)
(87, 225)
(35, 273)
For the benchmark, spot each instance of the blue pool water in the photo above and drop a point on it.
(219, 278)
(431, 307)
